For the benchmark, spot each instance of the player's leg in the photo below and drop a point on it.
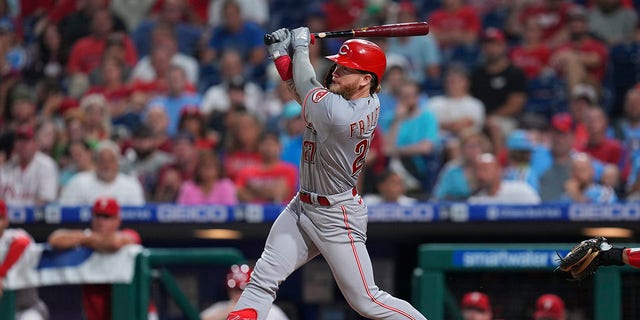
(286, 249)
(351, 267)
(347, 255)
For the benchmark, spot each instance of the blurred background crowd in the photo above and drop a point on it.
(177, 101)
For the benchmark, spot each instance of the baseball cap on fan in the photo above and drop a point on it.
(549, 306)
(106, 206)
(476, 300)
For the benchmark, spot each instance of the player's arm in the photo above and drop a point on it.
(279, 53)
(62, 239)
(110, 242)
(304, 76)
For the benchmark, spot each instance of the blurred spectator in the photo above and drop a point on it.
(13, 57)
(79, 22)
(104, 236)
(392, 81)
(457, 179)
(412, 141)
(234, 90)
(48, 56)
(13, 242)
(583, 97)
(457, 110)
(29, 177)
(611, 179)
(275, 103)
(243, 144)
(78, 157)
(342, 14)
(492, 189)
(549, 307)
(583, 58)
(86, 53)
(97, 117)
(209, 185)
(183, 168)
(194, 121)
(239, 35)
(157, 120)
(270, 181)
(143, 159)
(163, 39)
(499, 85)
(105, 180)
(552, 16)
(256, 11)
(520, 166)
(109, 79)
(612, 22)
(177, 98)
(390, 189)
(476, 306)
(553, 179)
(624, 68)
(293, 127)
(186, 34)
(627, 129)
(599, 145)
(160, 62)
(533, 54)
(48, 138)
(237, 279)
(422, 53)
(582, 187)
(546, 94)
(455, 24)
(22, 108)
(73, 126)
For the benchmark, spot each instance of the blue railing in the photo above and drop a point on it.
(419, 213)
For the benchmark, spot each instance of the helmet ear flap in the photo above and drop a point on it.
(328, 78)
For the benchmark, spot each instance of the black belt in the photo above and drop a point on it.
(322, 200)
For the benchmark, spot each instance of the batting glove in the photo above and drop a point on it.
(301, 37)
(281, 46)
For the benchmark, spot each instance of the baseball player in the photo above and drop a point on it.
(327, 216)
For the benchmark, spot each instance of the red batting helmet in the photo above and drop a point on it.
(238, 276)
(361, 55)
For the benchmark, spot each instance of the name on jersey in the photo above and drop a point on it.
(365, 125)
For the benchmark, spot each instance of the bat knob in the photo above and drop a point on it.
(269, 39)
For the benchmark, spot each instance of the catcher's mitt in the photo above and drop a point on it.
(584, 259)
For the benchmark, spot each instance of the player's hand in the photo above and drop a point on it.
(281, 46)
(301, 37)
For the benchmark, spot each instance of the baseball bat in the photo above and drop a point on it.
(407, 29)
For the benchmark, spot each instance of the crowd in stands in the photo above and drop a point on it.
(177, 101)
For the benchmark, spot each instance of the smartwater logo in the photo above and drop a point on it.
(506, 258)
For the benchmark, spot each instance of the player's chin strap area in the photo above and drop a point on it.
(319, 200)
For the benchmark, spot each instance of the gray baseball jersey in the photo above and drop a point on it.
(336, 140)
(327, 216)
